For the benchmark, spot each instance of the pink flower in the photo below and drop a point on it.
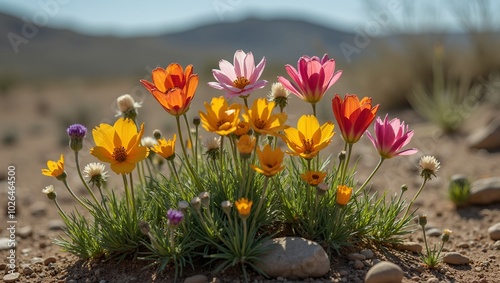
(240, 79)
(313, 78)
(390, 137)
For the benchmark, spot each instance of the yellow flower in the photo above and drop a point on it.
(243, 205)
(270, 161)
(343, 194)
(220, 118)
(245, 144)
(261, 118)
(308, 138)
(242, 128)
(164, 148)
(119, 145)
(313, 178)
(55, 169)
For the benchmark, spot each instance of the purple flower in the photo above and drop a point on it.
(76, 131)
(174, 217)
(76, 135)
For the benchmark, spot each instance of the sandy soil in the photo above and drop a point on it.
(33, 131)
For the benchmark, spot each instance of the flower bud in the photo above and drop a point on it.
(446, 235)
(226, 206)
(144, 227)
(404, 188)
(76, 134)
(127, 107)
(183, 206)
(196, 121)
(342, 155)
(205, 199)
(174, 217)
(321, 189)
(157, 134)
(196, 203)
(50, 192)
(422, 220)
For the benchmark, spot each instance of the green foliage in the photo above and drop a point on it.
(432, 256)
(459, 190)
(448, 103)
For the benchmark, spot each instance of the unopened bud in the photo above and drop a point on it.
(157, 134)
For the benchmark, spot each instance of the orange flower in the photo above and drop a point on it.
(353, 116)
(55, 169)
(270, 161)
(243, 205)
(242, 128)
(164, 148)
(246, 145)
(343, 194)
(220, 117)
(173, 88)
(313, 178)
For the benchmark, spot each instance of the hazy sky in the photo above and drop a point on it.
(150, 17)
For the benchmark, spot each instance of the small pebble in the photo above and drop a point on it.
(384, 272)
(432, 280)
(358, 264)
(367, 253)
(11, 277)
(24, 232)
(56, 224)
(463, 245)
(455, 258)
(356, 256)
(343, 273)
(36, 260)
(434, 232)
(200, 278)
(494, 232)
(413, 247)
(48, 260)
(27, 270)
(4, 244)
(38, 209)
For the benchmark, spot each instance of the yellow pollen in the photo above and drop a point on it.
(120, 154)
(241, 82)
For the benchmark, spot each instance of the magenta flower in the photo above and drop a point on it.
(390, 137)
(313, 78)
(174, 217)
(240, 79)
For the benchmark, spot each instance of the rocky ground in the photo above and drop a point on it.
(31, 138)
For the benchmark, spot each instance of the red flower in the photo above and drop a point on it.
(353, 116)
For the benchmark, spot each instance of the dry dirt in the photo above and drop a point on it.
(32, 132)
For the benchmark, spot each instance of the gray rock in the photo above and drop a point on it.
(36, 260)
(496, 245)
(485, 191)
(27, 270)
(494, 232)
(38, 208)
(367, 253)
(486, 137)
(56, 224)
(384, 272)
(455, 258)
(432, 280)
(413, 247)
(11, 277)
(24, 232)
(358, 264)
(356, 256)
(4, 244)
(434, 232)
(292, 257)
(199, 278)
(463, 245)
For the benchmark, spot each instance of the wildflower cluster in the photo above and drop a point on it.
(256, 176)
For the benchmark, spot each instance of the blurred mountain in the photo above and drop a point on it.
(49, 52)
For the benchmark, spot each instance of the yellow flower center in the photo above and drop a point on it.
(120, 154)
(241, 82)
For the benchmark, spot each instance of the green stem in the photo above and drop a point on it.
(221, 156)
(127, 193)
(60, 209)
(175, 171)
(314, 109)
(414, 198)
(347, 146)
(189, 134)
(261, 200)
(134, 210)
(73, 194)
(371, 175)
(425, 241)
(196, 149)
(188, 163)
(83, 180)
(245, 236)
